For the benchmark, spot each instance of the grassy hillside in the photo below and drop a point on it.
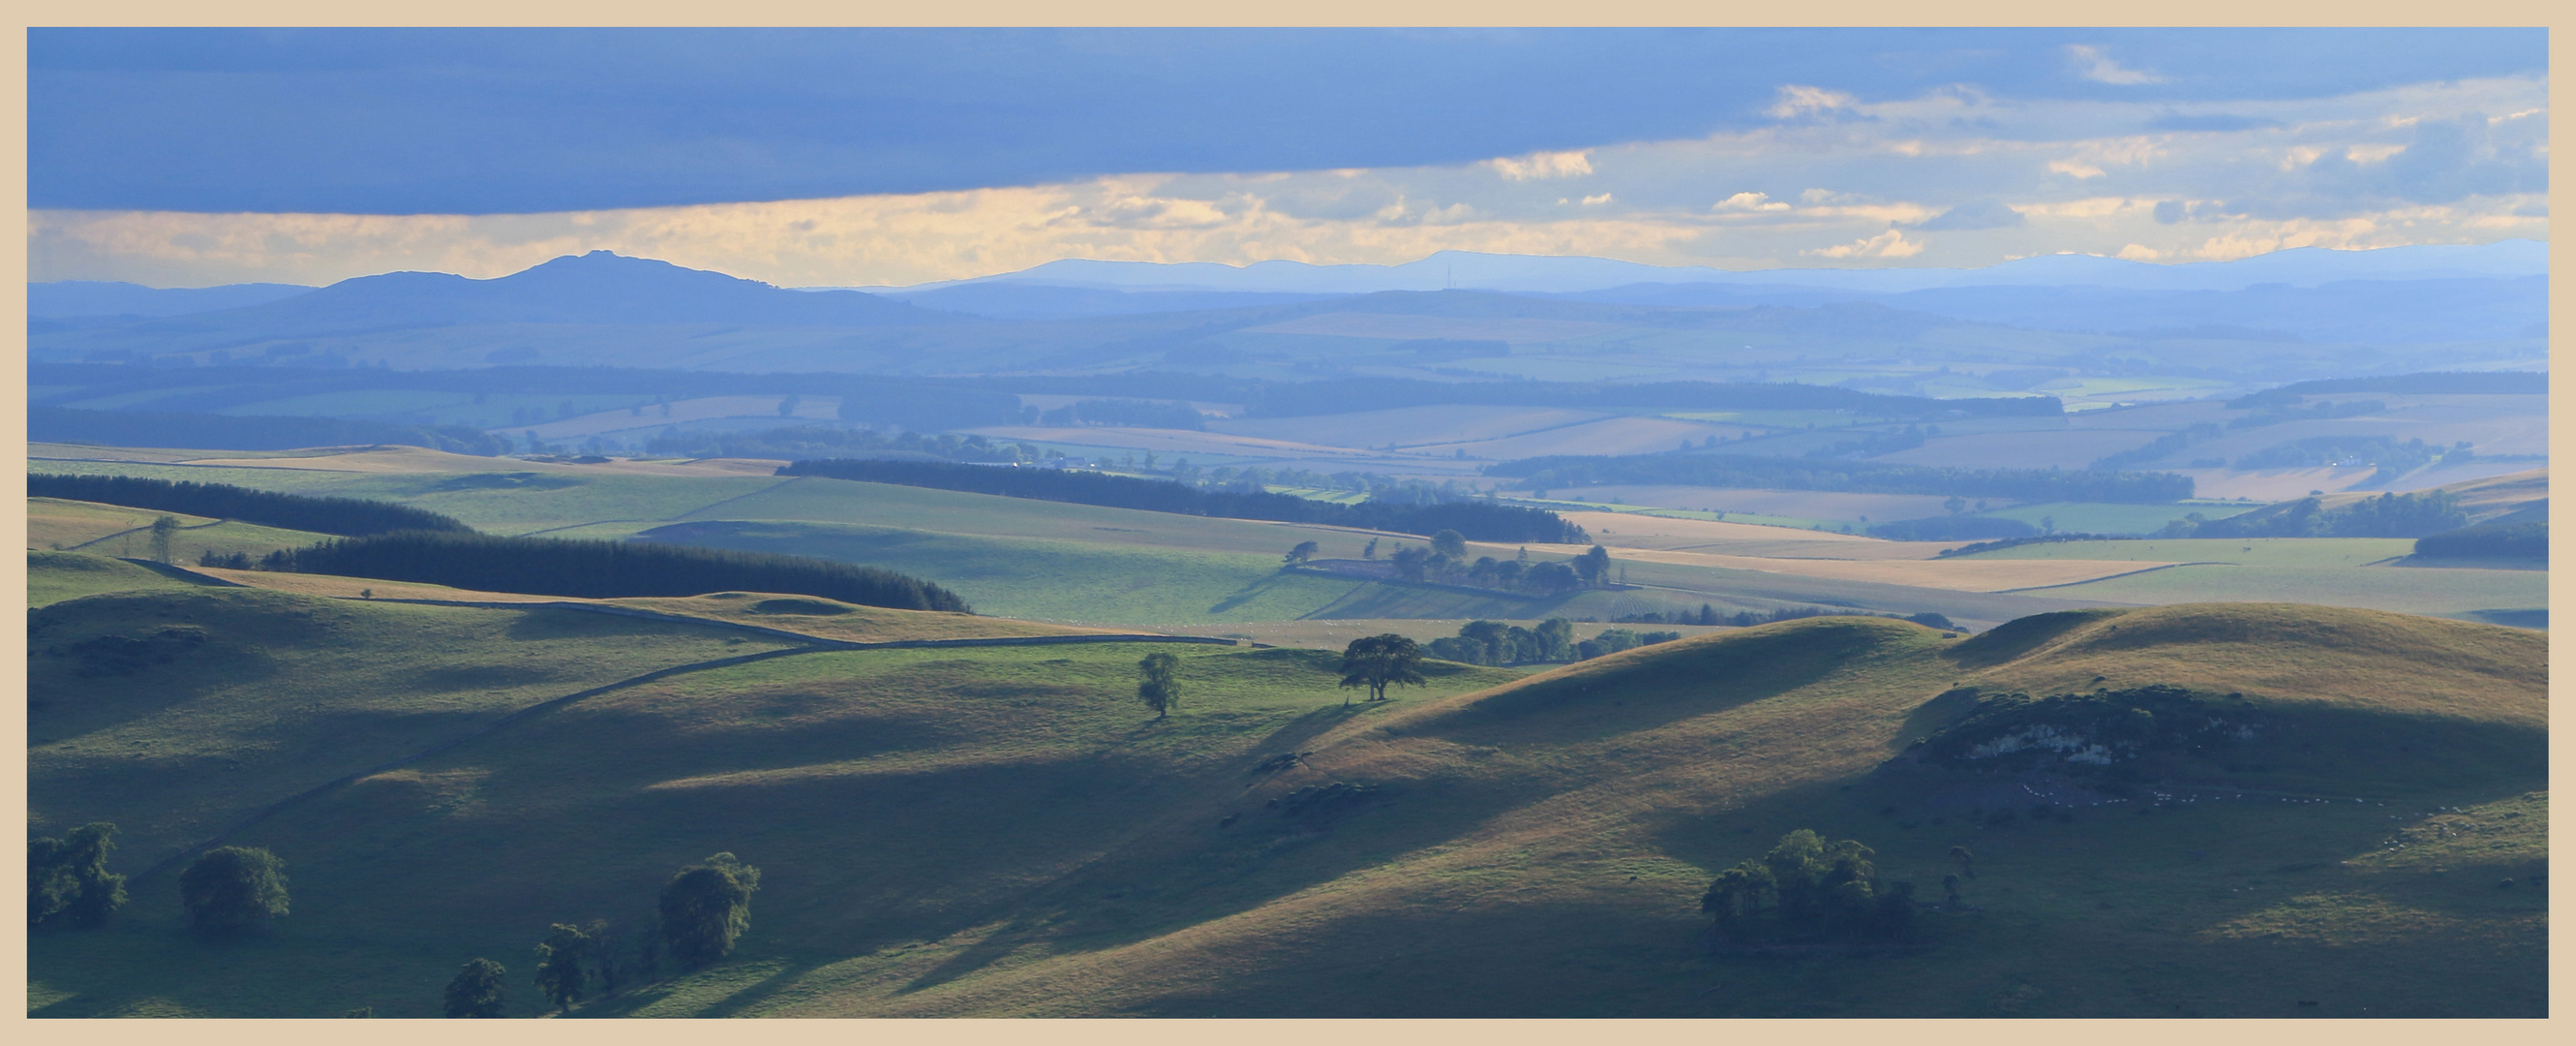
(56, 576)
(1005, 832)
(126, 533)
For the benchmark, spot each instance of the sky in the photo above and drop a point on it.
(892, 157)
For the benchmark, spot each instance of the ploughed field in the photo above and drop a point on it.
(1004, 830)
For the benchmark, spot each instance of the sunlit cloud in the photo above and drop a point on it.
(1952, 178)
(1544, 165)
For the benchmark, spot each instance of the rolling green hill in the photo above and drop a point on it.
(1006, 832)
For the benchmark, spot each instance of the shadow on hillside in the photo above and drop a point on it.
(1253, 591)
(2020, 636)
(1656, 688)
(1189, 869)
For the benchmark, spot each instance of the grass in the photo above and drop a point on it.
(1049, 580)
(2404, 590)
(2250, 552)
(56, 576)
(1005, 832)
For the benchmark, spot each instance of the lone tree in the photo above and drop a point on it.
(559, 974)
(1450, 543)
(1377, 662)
(476, 991)
(68, 883)
(233, 888)
(1593, 566)
(1160, 688)
(705, 907)
(1304, 551)
(163, 529)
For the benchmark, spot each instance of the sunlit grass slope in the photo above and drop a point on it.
(1005, 832)
(56, 576)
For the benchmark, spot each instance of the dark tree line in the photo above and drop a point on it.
(140, 428)
(2451, 383)
(816, 441)
(1732, 470)
(1478, 521)
(347, 517)
(2529, 540)
(2389, 515)
(604, 569)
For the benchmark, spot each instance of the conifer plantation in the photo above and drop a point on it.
(604, 569)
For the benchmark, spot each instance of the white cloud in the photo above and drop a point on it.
(1796, 100)
(1889, 244)
(2099, 67)
(1573, 164)
(1749, 202)
(1596, 201)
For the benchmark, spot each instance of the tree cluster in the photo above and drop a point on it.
(1497, 643)
(1480, 521)
(1808, 889)
(604, 569)
(347, 517)
(816, 441)
(1730, 470)
(68, 883)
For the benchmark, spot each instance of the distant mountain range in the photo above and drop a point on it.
(1521, 274)
(601, 308)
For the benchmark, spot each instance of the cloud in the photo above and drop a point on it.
(1574, 164)
(1978, 214)
(1889, 244)
(2421, 164)
(2099, 68)
(1748, 202)
(1796, 100)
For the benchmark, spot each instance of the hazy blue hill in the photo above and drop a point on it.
(598, 287)
(1038, 301)
(64, 299)
(2306, 267)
